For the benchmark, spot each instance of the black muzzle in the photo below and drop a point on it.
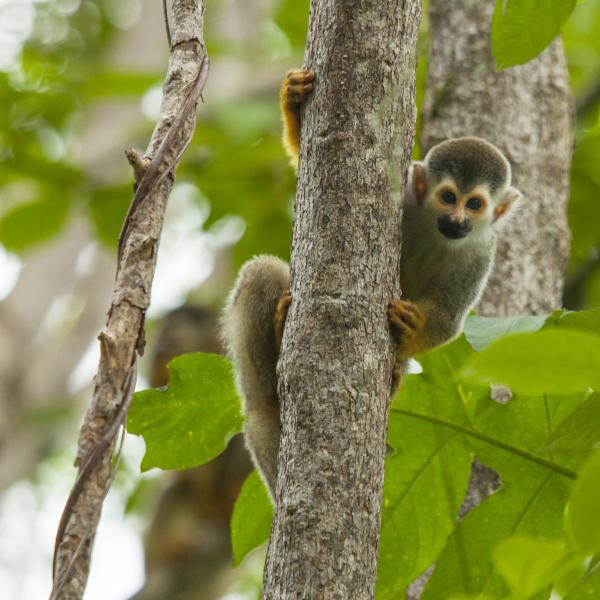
(454, 230)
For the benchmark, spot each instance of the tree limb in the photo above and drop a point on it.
(122, 340)
(337, 353)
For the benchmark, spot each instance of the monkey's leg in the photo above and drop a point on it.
(296, 86)
(252, 325)
(283, 305)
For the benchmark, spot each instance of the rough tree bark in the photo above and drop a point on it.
(527, 112)
(123, 337)
(335, 366)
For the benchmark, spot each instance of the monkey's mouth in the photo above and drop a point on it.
(454, 230)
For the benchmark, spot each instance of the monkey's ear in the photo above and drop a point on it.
(511, 196)
(419, 182)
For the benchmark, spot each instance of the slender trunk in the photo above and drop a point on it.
(337, 355)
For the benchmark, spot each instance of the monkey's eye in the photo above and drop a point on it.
(474, 204)
(448, 197)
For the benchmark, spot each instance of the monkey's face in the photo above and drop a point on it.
(460, 215)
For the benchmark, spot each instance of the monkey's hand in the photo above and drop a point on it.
(296, 86)
(283, 305)
(407, 322)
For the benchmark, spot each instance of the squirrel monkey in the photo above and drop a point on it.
(455, 202)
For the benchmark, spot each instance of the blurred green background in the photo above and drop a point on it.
(80, 82)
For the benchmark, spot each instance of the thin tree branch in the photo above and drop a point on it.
(122, 340)
(167, 24)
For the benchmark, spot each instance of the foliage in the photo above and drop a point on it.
(191, 421)
(439, 420)
(443, 416)
(521, 29)
(251, 519)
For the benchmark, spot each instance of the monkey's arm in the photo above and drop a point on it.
(252, 326)
(421, 326)
(296, 86)
(438, 314)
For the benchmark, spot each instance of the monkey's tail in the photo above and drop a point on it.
(248, 331)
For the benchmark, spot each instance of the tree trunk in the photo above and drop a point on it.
(527, 112)
(337, 354)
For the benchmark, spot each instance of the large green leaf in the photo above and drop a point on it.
(439, 413)
(251, 518)
(574, 437)
(558, 361)
(588, 588)
(425, 482)
(529, 565)
(587, 321)
(191, 421)
(530, 503)
(482, 331)
(521, 29)
(582, 518)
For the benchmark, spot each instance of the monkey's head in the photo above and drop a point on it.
(464, 184)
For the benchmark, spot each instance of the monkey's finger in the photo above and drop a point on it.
(299, 90)
(413, 312)
(404, 310)
(410, 318)
(399, 327)
(301, 76)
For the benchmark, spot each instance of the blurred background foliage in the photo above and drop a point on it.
(79, 82)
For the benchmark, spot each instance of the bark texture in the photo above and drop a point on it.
(123, 337)
(337, 354)
(527, 112)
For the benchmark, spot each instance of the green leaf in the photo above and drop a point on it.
(582, 517)
(513, 439)
(251, 518)
(530, 502)
(482, 331)
(574, 437)
(32, 223)
(561, 362)
(189, 422)
(529, 565)
(469, 597)
(570, 575)
(425, 481)
(588, 588)
(587, 321)
(521, 29)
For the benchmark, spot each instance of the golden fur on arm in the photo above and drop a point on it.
(296, 86)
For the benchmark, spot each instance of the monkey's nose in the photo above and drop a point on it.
(454, 230)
